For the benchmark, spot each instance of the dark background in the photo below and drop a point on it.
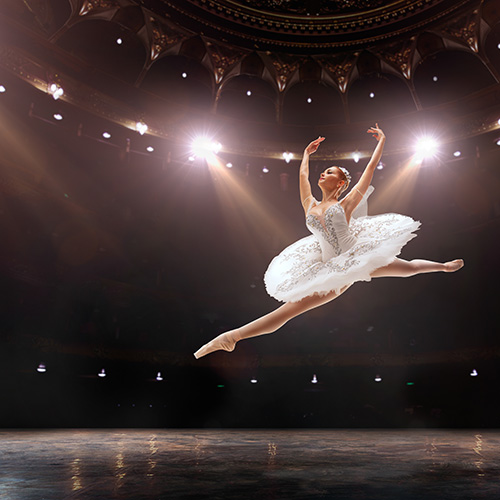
(118, 259)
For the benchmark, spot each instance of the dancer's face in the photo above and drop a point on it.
(331, 178)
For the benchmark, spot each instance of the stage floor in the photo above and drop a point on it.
(257, 464)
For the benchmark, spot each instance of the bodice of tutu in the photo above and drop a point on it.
(332, 231)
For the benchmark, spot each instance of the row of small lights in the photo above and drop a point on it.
(42, 368)
(203, 146)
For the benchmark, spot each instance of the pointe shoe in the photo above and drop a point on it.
(454, 265)
(221, 343)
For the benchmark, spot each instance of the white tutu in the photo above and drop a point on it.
(337, 254)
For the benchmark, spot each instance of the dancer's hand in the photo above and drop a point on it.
(376, 131)
(313, 146)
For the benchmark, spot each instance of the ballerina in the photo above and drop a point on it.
(346, 246)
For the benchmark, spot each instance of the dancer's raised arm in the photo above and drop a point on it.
(304, 184)
(366, 178)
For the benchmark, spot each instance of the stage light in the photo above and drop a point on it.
(141, 127)
(287, 156)
(58, 116)
(2, 89)
(56, 91)
(229, 165)
(106, 135)
(456, 154)
(119, 41)
(159, 377)
(425, 148)
(150, 149)
(249, 93)
(184, 75)
(372, 95)
(356, 156)
(102, 373)
(309, 100)
(254, 381)
(204, 147)
(265, 170)
(41, 368)
(378, 378)
(314, 379)
(474, 373)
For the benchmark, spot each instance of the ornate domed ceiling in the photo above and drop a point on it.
(311, 26)
(304, 64)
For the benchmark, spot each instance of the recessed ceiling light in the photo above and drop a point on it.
(498, 142)
(119, 41)
(229, 165)
(265, 170)
(372, 95)
(249, 92)
(2, 89)
(184, 75)
(58, 116)
(150, 149)
(106, 135)
(309, 100)
(456, 154)
(435, 78)
(498, 46)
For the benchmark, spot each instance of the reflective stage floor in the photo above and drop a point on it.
(258, 464)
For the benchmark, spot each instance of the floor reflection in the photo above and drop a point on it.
(234, 464)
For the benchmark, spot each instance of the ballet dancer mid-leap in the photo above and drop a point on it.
(346, 246)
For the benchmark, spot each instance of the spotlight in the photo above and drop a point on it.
(141, 127)
(314, 379)
(119, 41)
(56, 91)
(41, 368)
(204, 147)
(249, 93)
(229, 165)
(456, 154)
(378, 378)
(2, 89)
(356, 156)
(58, 116)
(287, 156)
(150, 149)
(102, 373)
(159, 377)
(184, 75)
(106, 135)
(426, 147)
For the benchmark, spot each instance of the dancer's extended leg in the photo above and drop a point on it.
(266, 324)
(404, 268)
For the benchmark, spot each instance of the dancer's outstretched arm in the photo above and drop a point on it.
(304, 184)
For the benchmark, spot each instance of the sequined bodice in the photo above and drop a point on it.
(332, 231)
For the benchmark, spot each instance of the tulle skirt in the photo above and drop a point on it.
(299, 270)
